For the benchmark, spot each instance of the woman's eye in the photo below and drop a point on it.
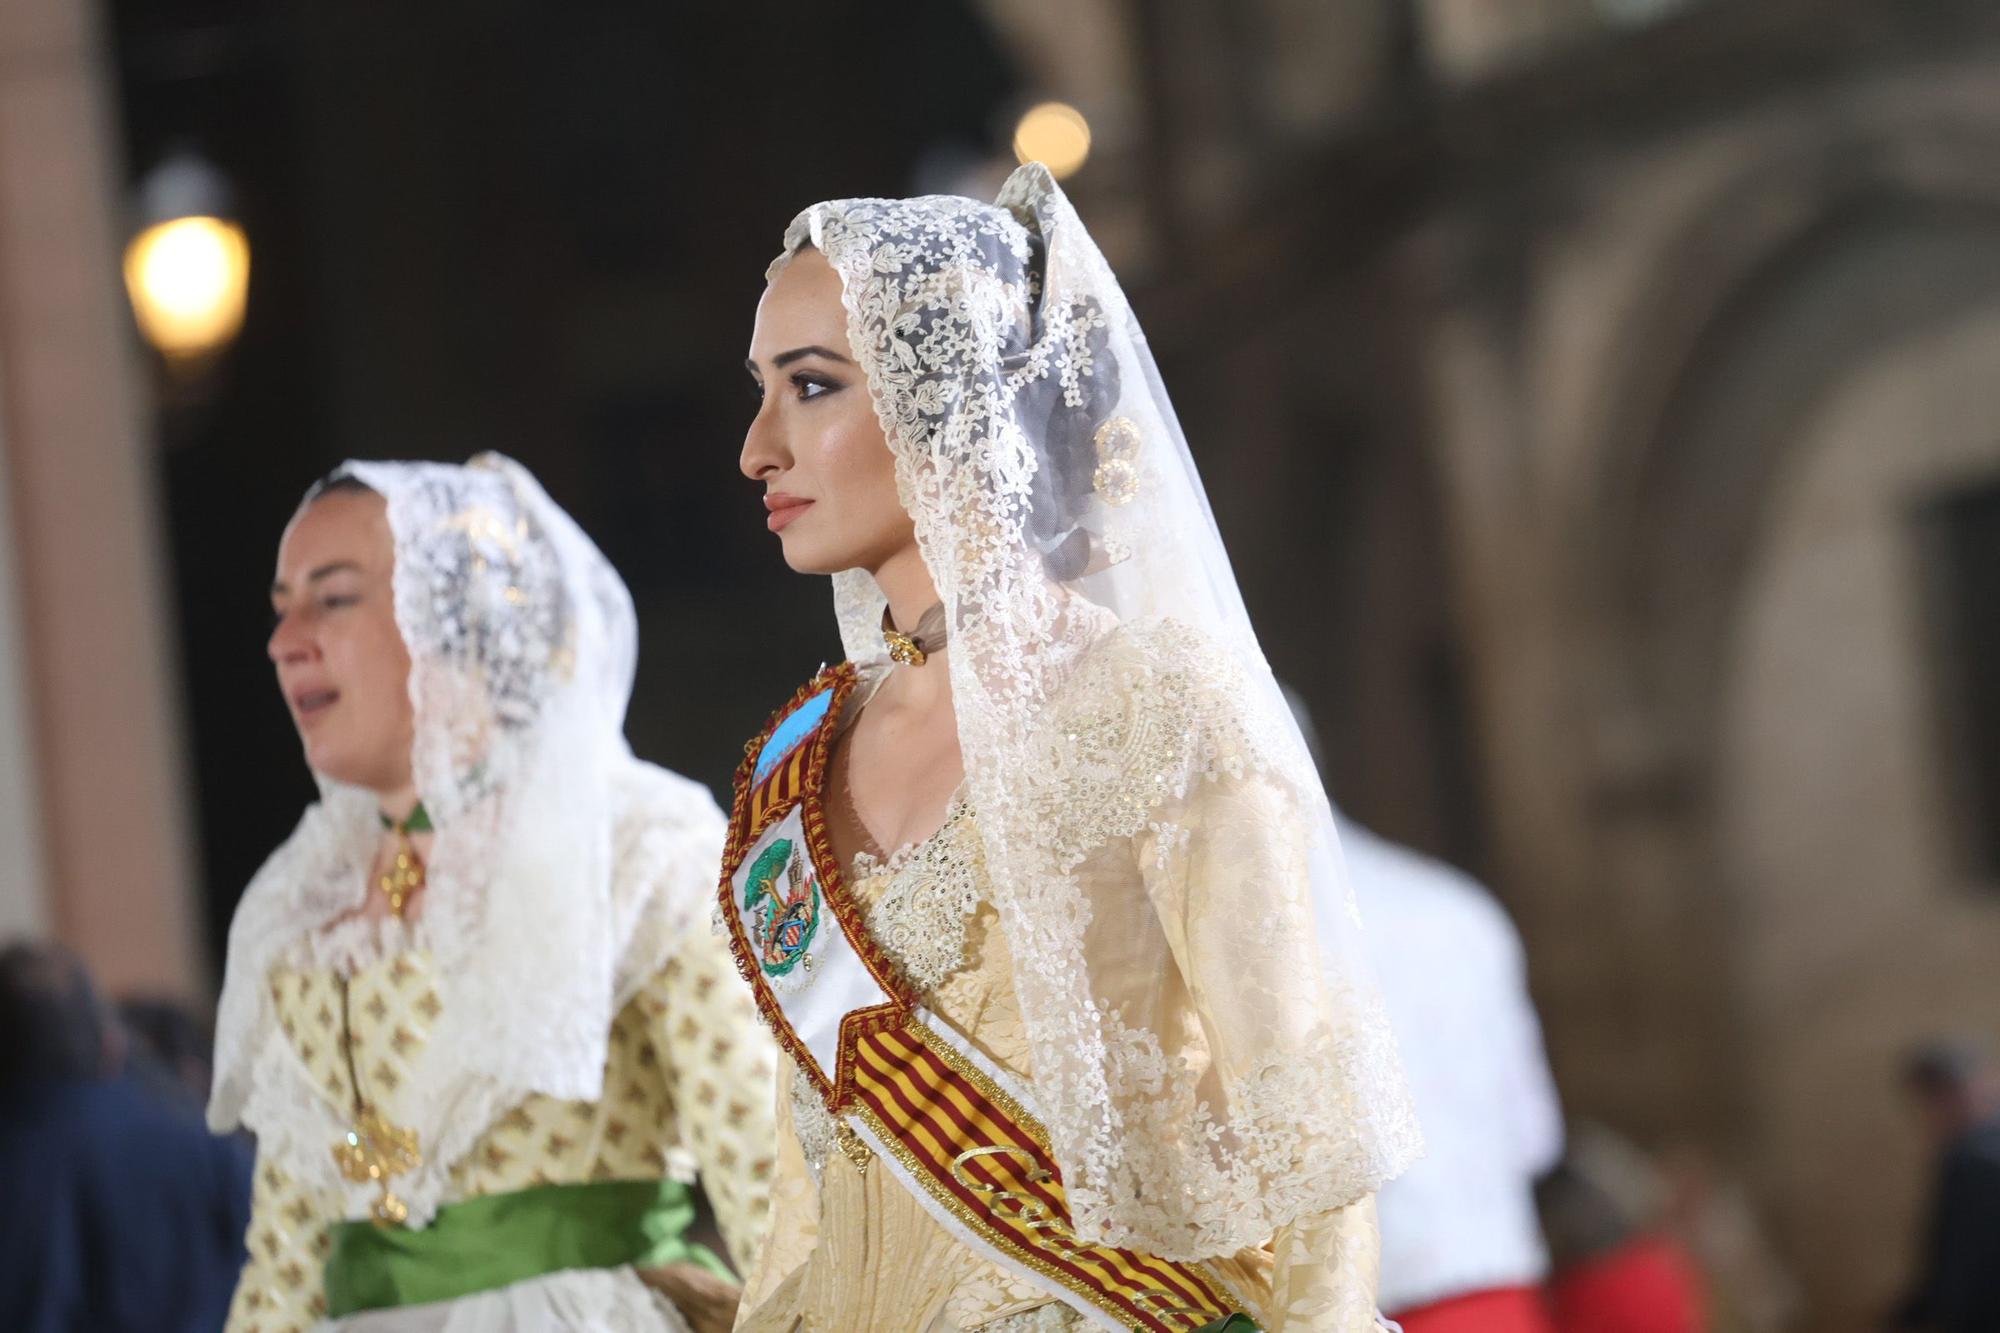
(335, 601)
(810, 387)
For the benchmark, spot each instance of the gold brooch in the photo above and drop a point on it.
(902, 648)
(377, 1150)
(914, 648)
(1118, 443)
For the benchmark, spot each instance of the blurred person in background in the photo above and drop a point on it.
(1748, 1287)
(1617, 1267)
(473, 1011)
(119, 1213)
(1087, 1037)
(170, 1046)
(1462, 1249)
(1956, 1091)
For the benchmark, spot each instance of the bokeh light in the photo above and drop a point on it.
(188, 278)
(1054, 134)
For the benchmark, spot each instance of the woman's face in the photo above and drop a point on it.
(342, 665)
(816, 444)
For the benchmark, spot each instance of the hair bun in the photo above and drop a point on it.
(1062, 421)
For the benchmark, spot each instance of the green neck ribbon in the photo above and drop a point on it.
(418, 822)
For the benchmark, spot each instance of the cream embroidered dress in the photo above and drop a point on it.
(850, 1248)
(1140, 908)
(687, 1068)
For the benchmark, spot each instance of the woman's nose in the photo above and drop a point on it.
(764, 452)
(290, 640)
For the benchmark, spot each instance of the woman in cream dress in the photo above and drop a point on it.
(1054, 798)
(474, 1012)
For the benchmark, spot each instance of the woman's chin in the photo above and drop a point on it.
(332, 764)
(804, 557)
(332, 772)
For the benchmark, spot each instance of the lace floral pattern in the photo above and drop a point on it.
(928, 890)
(1315, 1274)
(812, 1124)
(522, 643)
(1105, 679)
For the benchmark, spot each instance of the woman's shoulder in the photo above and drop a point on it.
(1150, 711)
(1160, 674)
(1154, 645)
(1153, 711)
(667, 832)
(647, 796)
(667, 843)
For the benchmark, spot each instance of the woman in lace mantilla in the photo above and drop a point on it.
(1067, 800)
(473, 1012)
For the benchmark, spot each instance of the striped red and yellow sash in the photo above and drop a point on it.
(984, 1159)
(951, 1124)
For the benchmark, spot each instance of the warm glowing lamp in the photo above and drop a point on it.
(188, 278)
(1054, 134)
(188, 269)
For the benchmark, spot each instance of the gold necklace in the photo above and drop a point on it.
(406, 874)
(376, 1150)
(915, 648)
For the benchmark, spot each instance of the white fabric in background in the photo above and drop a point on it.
(1462, 1218)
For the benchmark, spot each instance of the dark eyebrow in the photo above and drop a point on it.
(783, 359)
(324, 571)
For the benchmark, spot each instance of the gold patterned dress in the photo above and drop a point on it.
(682, 1084)
(850, 1248)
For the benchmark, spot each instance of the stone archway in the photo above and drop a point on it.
(1790, 1016)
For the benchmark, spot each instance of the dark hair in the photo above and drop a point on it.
(1944, 1065)
(170, 1030)
(1062, 491)
(172, 1050)
(53, 1022)
(1580, 1217)
(337, 482)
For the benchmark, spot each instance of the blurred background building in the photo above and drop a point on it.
(1600, 398)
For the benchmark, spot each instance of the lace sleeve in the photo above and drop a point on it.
(1251, 979)
(1245, 1047)
(718, 1062)
(1247, 980)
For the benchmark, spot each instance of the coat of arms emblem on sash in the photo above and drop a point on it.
(781, 907)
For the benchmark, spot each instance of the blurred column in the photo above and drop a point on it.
(23, 883)
(107, 768)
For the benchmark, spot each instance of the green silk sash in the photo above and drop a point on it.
(498, 1239)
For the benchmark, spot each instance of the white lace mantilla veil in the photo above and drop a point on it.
(1209, 1050)
(563, 873)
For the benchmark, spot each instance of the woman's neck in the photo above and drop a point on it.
(906, 583)
(398, 803)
